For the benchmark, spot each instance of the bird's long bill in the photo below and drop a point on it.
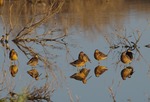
(72, 76)
(89, 77)
(84, 81)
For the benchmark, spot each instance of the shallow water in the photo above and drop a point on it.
(90, 25)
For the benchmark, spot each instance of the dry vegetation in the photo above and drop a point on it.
(21, 22)
(22, 19)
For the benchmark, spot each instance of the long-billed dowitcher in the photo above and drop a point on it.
(82, 56)
(85, 71)
(78, 63)
(33, 73)
(13, 56)
(126, 56)
(81, 76)
(127, 72)
(98, 55)
(33, 61)
(99, 70)
(13, 70)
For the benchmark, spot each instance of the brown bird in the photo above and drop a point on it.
(33, 61)
(99, 70)
(85, 71)
(81, 76)
(33, 73)
(83, 57)
(126, 57)
(13, 55)
(127, 72)
(78, 63)
(99, 55)
(13, 70)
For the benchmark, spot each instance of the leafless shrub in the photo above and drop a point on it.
(38, 94)
(26, 35)
(123, 41)
(33, 94)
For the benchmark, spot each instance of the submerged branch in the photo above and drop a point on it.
(53, 9)
(40, 39)
(112, 94)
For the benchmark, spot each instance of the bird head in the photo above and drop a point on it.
(36, 56)
(96, 51)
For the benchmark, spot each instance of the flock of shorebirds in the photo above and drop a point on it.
(126, 58)
(81, 75)
(13, 56)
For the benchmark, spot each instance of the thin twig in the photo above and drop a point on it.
(112, 94)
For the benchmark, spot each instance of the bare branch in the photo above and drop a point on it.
(112, 94)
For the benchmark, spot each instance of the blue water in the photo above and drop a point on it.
(135, 88)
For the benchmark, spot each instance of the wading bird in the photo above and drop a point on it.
(83, 57)
(78, 63)
(13, 70)
(126, 57)
(98, 55)
(33, 61)
(99, 70)
(81, 76)
(33, 73)
(13, 56)
(127, 72)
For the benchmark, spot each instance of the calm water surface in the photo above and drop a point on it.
(89, 27)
